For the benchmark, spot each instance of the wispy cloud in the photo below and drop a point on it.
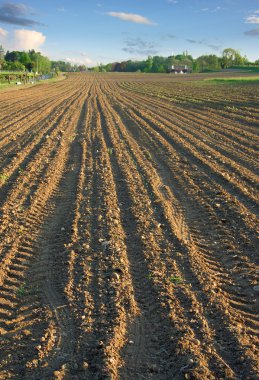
(253, 19)
(3, 32)
(138, 19)
(213, 10)
(217, 9)
(16, 14)
(214, 47)
(252, 32)
(81, 59)
(205, 43)
(140, 47)
(173, 1)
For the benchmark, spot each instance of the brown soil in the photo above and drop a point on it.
(128, 209)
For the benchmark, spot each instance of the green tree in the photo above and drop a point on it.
(232, 57)
(25, 60)
(207, 62)
(159, 65)
(13, 66)
(2, 63)
(149, 64)
(1, 53)
(12, 56)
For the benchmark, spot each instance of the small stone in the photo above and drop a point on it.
(105, 243)
(153, 368)
(256, 288)
(131, 342)
(85, 365)
(100, 344)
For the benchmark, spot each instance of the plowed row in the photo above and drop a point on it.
(129, 229)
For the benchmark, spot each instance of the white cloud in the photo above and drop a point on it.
(3, 32)
(28, 39)
(82, 59)
(252, 19)
(217, 9)
(213, 10)
(131, 17)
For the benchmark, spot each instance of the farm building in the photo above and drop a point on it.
(184, 69)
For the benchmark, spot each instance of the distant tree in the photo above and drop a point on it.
(13, 66)
(108, 67)
(119, 66)
(2, 62)
(62, 66)
(170, 61)
(159, 65)
(180, 60)
(82, 68)
(131, 66)
(149, 64)
(13, 56)
(232, 57)
(207, 62)
(25, 60)
(1, 53)
(183, 59)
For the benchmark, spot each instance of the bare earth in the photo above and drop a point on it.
(128, 229)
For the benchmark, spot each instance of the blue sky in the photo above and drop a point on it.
(109, 30)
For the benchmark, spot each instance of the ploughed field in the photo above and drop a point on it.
(128, 229)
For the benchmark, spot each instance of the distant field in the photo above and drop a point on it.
(235, 80)
(128, 223)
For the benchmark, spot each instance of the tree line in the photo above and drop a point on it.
(157, 64)
(33, 61)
